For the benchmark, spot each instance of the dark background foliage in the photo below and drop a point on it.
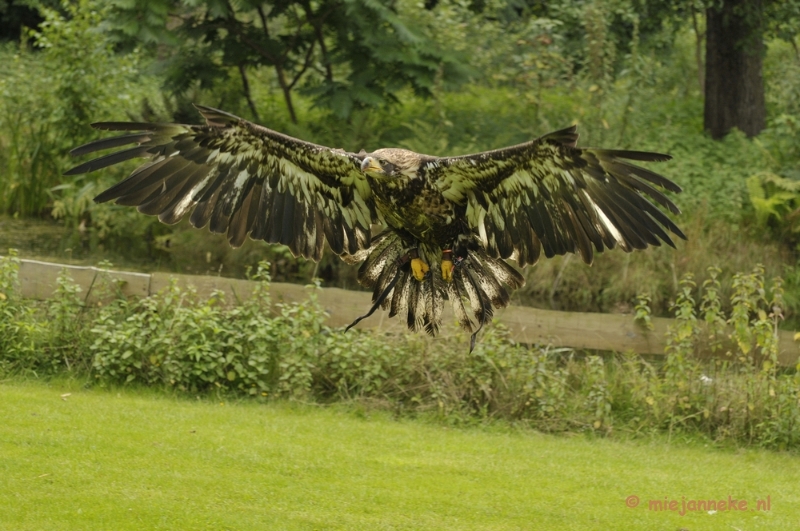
(442, 77)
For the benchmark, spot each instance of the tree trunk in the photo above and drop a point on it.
(734, 87)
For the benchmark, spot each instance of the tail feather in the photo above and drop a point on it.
(416, 305)
(489, 285)
(387, 277)
(472, 291)
(435, 305)
(485, 312)
(455, 294)
(479, 302)
(504, 272)
(385, 252)
(479, 281)
(402, 290)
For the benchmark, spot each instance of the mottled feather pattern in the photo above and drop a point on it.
(455, 294)
(401, 293)
(381, 254)
(548, 195)
(435, 304)
(543, 197)
(478, 285)
(242, 179)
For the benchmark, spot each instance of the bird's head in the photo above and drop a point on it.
(391, 164)
(377, 167)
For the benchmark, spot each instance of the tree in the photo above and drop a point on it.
(346, 53)
(734, 87)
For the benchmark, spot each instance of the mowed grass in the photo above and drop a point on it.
(118, 460)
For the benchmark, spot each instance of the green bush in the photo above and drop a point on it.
(532, 75)
(61, 78)
(40, 338)
(176, 340)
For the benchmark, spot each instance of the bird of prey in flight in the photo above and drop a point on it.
(448, 224)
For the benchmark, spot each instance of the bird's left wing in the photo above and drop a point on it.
(242, 179)
(548, 195)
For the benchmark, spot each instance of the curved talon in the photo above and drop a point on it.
(419, 268)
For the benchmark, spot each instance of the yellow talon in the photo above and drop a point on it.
(447, 270)
(419, 268)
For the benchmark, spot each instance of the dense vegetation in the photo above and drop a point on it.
(176, 340)
(627, 75)
(452, 77)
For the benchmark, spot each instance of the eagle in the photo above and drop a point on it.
(426, 229)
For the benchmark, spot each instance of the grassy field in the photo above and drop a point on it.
(130, 459)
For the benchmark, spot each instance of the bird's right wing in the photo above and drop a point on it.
(243, 179)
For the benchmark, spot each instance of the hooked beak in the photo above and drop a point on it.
(371, 166)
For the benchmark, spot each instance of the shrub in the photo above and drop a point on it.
(177, 340)
(61, 78)
(40, 338)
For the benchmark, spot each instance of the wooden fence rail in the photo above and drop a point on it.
(598, 331)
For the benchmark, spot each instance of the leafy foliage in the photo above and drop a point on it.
(626, 72)
(348, 54)
(776, 204)
(175, 340)
(47, 98)
(41, 123)
(39, 340)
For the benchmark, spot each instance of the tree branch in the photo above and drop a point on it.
(277, 64)
(246, 87)
(263, 18)
(317, 25)
(306, 64)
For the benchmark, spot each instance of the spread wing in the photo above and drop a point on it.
(242, 179)
(549, 195)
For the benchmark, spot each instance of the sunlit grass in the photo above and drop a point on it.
(132, 460)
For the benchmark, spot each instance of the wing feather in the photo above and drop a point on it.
(241, 221)
(549, 196)
(202, 213)
(242, 179)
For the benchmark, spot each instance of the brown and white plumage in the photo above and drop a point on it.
(464, 214)
(241, 178)
(549, 195)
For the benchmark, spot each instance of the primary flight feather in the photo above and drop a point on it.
(449, 223)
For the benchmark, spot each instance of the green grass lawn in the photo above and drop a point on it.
(138, 460)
